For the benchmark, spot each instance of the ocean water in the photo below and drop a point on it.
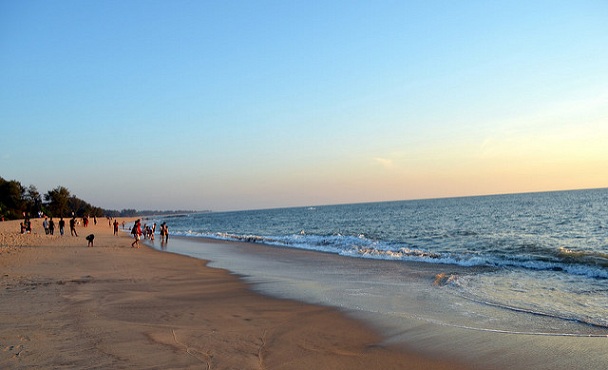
(532, 263)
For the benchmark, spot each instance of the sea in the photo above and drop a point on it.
(529, 264)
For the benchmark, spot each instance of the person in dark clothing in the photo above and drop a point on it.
(73, 227)
(61, 226)
(51, 226)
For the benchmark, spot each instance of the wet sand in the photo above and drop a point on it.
(415, 315)
(65, 305)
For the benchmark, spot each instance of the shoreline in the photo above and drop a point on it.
(476, 346)
(114, 306)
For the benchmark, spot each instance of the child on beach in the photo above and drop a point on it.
(90, 239)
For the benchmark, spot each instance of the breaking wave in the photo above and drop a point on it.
(584, 263)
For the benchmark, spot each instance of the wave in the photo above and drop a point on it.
(589, 264)
(585, 257)
(539, 293)
(596, 322)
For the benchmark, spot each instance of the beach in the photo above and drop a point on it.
(409, 304)
(66, 305)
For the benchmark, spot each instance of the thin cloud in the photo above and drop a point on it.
(385, 162)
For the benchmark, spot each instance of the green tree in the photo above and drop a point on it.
(11, 198)
(78, 206)
(33, 200)
(97, 212)
(128, 213)
(15, 200)
(58, 201)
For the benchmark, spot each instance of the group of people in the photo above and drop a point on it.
(147, 232)
(49, 226)
(26, 226)
(164, 232)
(85, 220)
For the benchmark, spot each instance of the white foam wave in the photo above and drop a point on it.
(362, 247)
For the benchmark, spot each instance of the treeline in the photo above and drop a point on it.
(17, 200)
(168, 213)
(146, 213)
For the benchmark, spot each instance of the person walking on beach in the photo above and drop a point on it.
(45, 224)
(61, 226)
(136, 231)
(115, 227)
(51, 226)
(73, 227)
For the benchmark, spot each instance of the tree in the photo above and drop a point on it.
(128, 212)
(58, 201)
(33, 200)
(15, 200)
(78, 206)
(97, 212)
(11, 198)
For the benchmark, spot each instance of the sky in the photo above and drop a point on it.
(231, 105)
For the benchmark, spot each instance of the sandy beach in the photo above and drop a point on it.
(65, 305)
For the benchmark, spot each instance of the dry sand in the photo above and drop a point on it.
(64, 305)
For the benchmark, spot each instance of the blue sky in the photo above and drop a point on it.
(254, 104)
